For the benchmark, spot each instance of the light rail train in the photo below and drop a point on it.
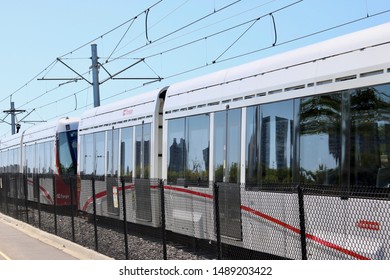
(48, 150)
(317, 117)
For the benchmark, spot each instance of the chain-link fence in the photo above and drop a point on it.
(128, 218)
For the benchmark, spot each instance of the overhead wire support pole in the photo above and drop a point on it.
(95, 76)
(13, 113)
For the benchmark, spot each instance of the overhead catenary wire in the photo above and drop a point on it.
(27, 83)
(309, 35)
(127, 30)
(111, 30)
(275, 44)
(251, 21)
(158, 78)
(60, 58)
(74, 50)
(262, 49)
(240, 55)
(179, 29)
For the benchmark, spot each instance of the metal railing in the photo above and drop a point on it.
(150, 219)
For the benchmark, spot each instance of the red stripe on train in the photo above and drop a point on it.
(309, 236)
(205, 195)
(100, 195)
(46, 194)
(280, 223)
(254, 212)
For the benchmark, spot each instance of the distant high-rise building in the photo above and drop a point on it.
(177, 156)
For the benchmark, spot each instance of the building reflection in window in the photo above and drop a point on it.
(188, 155)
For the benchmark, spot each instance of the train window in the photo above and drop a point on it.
(177, 150)
(52, 163)
(188, 157)
(227, 143)
(6, 167)
(127, 152)
(112, 152)
(88, 155)
(370, 137)
(16, 157)
(47, 168)
(142, 156)
(320, 139)
(198, 140)
(269, 143)
(44, 157)
(100, 153)
(67, 151)
(30, 156)
(41, 158)
(10, 161)
(1, 163)
(252, 154)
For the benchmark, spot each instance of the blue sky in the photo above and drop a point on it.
(36, 33)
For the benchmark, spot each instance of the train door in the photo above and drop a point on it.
(142, 172)
(227, 147)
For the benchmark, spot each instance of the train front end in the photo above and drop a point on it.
(66, 162)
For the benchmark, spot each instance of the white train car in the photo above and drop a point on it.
(43, 152)
(10, 159)
(318, 116)
(123, 139)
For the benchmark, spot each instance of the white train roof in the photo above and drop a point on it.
(132, 110)
(308, 70)
(10, 142)
(40, 132)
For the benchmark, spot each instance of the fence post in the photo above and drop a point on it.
(6, 190)
(302, 222)
(55, 203)
(217, 221)
(1, 193)
(125, 218)
(15, 195)
(36, 183)
(72, 208)
(94, 214)
(24, 182)
(163, 224)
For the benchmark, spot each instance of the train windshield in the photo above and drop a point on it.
(67, 152)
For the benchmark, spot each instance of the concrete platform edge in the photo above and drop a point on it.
(60, 243)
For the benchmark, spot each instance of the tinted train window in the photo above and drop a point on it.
(87, 155)
(142, 150)
(100, 153)
(41, 158)
(112, 152)
(227, 143)
(320, 139)
(370, 137)
(269, 143)
(30, 158)
(16, 160)
(67, 152)
(198, 136)
(177, 150)
(127, 152)
(188, 155)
